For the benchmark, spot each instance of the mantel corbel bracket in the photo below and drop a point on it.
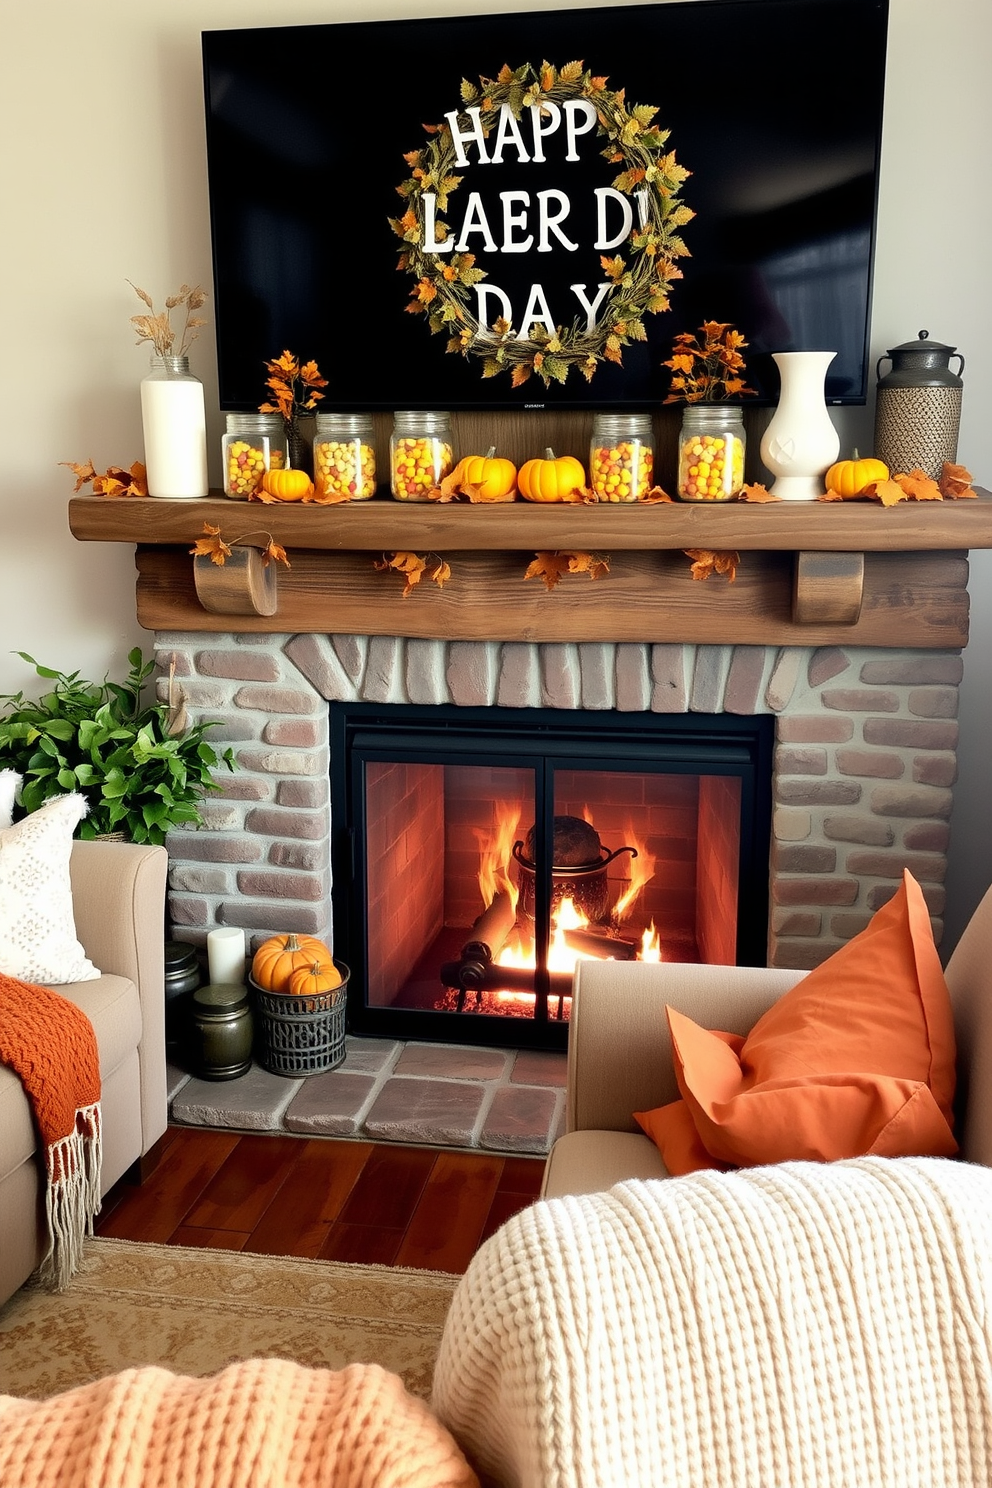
(828, 588)
(243, 585)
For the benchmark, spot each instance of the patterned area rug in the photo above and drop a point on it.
(194, 1311)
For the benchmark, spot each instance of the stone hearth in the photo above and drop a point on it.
(864, 761)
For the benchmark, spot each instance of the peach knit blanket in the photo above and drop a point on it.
(261, 1423)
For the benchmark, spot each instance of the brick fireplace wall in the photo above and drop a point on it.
(864, 760)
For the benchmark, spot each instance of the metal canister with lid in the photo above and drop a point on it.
(221, 1031)
(918, 406)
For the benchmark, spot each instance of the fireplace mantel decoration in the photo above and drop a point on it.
(848, 572)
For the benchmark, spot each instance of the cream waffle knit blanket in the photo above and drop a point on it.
(801, 1326)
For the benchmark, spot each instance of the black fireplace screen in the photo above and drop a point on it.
(480, 853)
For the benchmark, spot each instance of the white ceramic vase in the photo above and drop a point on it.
(800, 443)
(174, 426)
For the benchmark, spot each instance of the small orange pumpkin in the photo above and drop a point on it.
(848, 478)
(278, 957)
(287, 485)
(496, 479)
(311, 980)
(555, 478)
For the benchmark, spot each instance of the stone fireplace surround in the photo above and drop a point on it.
(863, 769)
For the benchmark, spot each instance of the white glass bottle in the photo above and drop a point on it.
(174, 424)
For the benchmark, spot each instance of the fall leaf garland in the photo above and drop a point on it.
(551, 567)
(641, 281)
(218, 550)
(413, 566)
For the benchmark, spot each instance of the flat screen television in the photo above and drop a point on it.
(519, 251)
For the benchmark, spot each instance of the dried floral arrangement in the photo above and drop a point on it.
(158, 328)
(708, 365)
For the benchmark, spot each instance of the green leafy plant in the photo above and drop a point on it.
(143, 767)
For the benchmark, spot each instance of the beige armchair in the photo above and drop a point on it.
(118, 892)
(619, 1053)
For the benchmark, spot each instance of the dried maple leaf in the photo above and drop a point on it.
(550, 567)
(836, 496)
(83, 473)
(955, 482)
(888, 492)
(274, 552)
(655, 496)
(706, 561)
(757, 492)
(327, 498)
(212, 546)
(596, 565)
(263, 496)
(919, 486)
(413, 567)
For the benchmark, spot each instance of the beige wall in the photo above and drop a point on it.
(102, 179)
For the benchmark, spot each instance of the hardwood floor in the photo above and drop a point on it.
(381, 1204)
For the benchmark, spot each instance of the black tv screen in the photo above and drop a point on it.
(590, 185)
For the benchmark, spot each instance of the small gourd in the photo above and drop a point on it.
(287, 485)
(848, 478)
(495, 479)
(278, 957)
(311, 980)
(555, 478)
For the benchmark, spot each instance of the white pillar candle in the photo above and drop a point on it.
(226, 955)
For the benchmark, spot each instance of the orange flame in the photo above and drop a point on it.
(494, 862)
(641, 873)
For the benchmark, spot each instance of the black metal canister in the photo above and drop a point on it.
(918, 406)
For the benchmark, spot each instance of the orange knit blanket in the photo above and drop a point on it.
(262, 1423)
(50, 1044)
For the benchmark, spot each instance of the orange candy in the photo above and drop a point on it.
(621, 472)
(418, 465)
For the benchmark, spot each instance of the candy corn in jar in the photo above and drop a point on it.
(711, 453)
(420, 453)
(621, 456)
(253, 444)
(344, 457)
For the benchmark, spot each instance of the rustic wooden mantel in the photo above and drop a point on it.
(810, 574)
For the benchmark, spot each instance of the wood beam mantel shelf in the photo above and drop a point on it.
(810, 574)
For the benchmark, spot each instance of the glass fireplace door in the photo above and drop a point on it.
(477, 865)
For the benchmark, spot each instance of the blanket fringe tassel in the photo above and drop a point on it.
(73, 1197)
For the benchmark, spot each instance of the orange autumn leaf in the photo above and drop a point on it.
(274, 552)
(706, 561)
(211, 546)
(549, 567)
(83, 473)
(919, 486)
(955, 482)
(552, 567)
(757, 492)
(413, 567)
(888, 492)
(654, 496)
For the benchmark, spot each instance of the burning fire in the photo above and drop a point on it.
(573, 937)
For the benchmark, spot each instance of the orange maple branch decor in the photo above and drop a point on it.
(552, 567)
(114, 482)
(295, 388)
(413, 566)
(708, 370)
(214, 547)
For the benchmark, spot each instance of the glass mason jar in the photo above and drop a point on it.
(711, 452)
(344, 456)
(174, 426)
(420, 453)
(253, 444)
(621, 456)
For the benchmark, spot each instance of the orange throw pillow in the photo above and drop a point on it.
(857, 1058)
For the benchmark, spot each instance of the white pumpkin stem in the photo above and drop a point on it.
(491, 452)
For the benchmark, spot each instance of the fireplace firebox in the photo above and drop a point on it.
(479, 853)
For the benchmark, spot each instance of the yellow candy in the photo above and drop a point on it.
(621, 472)
(344, 468)
(418, 465)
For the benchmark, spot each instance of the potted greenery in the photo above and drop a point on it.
(142, 767)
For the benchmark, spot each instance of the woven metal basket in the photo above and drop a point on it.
(302, 1035)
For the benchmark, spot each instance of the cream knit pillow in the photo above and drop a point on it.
(37, 929)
